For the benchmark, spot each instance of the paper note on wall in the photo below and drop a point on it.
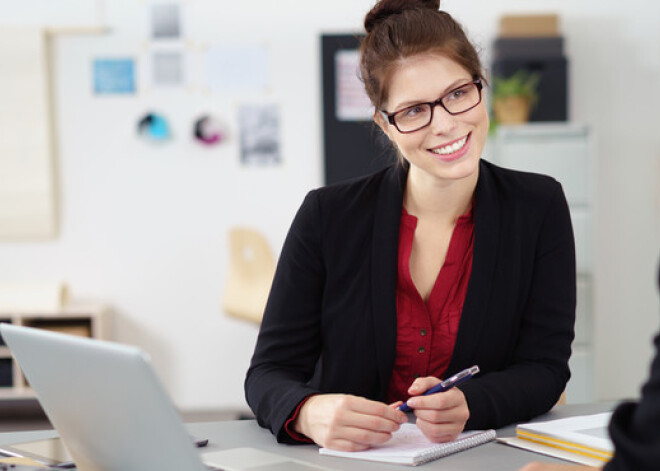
(27, 185)
(351, 100)
(237, 69)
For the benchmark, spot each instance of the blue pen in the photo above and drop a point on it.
(449, 383)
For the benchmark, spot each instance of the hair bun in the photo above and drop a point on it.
(386, 8)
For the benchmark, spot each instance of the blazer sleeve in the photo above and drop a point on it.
(537, 373)
(289, 341)
(635, 427)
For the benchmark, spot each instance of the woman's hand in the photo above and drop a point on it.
(557, 467)
(347, 423)
(440, 416)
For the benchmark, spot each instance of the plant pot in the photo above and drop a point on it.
(512, 109)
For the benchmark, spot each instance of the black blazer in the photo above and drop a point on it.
(330, 321)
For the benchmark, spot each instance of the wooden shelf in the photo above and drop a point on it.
(8, 393)
(82, 320)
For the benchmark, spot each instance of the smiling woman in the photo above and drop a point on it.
(389, 283)
(450, 135)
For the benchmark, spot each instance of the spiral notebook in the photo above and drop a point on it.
(410, 447)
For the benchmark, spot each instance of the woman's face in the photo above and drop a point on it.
(450, 147)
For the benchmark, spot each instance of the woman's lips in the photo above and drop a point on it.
(454, 150)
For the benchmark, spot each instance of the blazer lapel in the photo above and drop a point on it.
(486, 241)
(384, 252)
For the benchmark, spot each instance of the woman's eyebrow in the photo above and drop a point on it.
(452, 86)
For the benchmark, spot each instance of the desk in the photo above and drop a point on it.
(241, 433)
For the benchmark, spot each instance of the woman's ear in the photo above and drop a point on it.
(382, 123)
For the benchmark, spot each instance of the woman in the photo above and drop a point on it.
(388, 283)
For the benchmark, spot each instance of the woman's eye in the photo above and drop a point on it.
(460, 93)
(414, 111)
(456, 94)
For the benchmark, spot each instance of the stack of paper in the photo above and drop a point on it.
(581, 439)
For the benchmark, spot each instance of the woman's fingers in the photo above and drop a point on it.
(346, 422)
(441, 416)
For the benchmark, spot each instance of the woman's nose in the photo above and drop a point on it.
(442, 122)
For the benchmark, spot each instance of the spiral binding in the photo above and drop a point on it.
(446, 449)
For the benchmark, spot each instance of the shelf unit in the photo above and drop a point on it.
(88, 321)
(565, 152)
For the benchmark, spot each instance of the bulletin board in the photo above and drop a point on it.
(352, 143)
(27, 182)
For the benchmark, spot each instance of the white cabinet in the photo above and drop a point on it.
(563, 151)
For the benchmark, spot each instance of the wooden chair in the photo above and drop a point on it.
(251, 270)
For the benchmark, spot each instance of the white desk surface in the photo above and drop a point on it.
(246, 433)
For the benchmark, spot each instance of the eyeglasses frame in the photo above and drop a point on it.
(433, 104)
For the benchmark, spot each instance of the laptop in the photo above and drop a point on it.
(107, 404)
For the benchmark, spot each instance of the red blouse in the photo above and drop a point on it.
(426, 332)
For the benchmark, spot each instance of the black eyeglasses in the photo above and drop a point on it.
(418, 116)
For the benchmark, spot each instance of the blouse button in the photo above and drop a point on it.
(421, 350)
(422, 332)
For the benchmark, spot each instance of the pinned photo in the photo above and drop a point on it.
(113, 76)
(237, 69)
(209, 131)
(154, 127)
(260, 139)
(167, 68)
(165, 21)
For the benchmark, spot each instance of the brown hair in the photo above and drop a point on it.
(398, 29)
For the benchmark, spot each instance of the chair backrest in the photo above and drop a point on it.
(251, 270)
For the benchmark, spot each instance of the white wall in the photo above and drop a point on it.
(144, 228)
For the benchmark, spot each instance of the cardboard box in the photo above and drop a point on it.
(529, 25)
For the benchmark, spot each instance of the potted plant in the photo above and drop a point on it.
(514, 96)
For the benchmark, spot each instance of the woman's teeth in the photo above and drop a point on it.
(451, 148)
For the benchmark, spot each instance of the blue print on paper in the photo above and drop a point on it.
(114, 76)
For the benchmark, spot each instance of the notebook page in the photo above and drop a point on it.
(408, 445)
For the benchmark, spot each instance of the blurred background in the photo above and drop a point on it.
(136, 135)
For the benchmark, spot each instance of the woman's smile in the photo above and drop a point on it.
(454, 150)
